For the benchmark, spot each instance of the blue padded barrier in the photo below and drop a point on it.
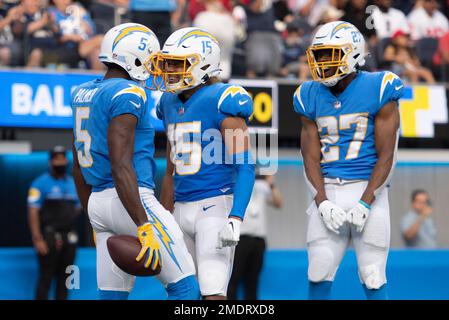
(412, 274)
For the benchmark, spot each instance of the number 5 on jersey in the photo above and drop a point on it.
(82, 136)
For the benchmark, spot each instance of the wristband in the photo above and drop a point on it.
(366, 205)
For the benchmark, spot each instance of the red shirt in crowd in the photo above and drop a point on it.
(196, 6)
(443, 46)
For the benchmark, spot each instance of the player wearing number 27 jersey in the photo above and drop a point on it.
(209, 178)
(349, 139)
(346, 122)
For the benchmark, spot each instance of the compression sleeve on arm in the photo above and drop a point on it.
(244, 166)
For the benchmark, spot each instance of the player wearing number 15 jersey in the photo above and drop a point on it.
(114, 168)
(209, 175)
(350, 122)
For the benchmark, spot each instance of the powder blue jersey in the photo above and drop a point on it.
(95, 104)
(203, 169)
(346, 122)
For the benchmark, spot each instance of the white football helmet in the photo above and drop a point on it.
(190, 57)
(130, 46)
(344, 48)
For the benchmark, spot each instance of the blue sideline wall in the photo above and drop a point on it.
(412, 274)
(287, 226)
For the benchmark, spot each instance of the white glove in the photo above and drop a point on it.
(229, 236)
(358, 215)
(333, 216)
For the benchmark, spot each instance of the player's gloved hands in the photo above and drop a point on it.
(333, 216)
(149, 246)
(358, 215)
(229, 236)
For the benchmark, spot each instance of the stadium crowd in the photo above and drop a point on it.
(259, 38)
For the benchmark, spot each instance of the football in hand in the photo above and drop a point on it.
(123, 250)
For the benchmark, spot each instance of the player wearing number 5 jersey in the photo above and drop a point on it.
(350, 122)
(209, 175)
(114, 168)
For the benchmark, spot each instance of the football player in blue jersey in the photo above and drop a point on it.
(350, 123)
(210, 173)
(114, 168)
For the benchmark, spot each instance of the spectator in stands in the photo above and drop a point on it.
(417, 226)
(197, 6)
(264, 44)
(76, 35)
(404, 61)
(158, 15)
(387, 20)
(52, 209)
(405, 6)
(219, 22)
(106, 13)
(441, 57)
(282, 11)
(357, 15)
(427, 21)
(11, 50)
(295, 45)
(38, 32)
(330, 14)
(312, 10)
(249, 253)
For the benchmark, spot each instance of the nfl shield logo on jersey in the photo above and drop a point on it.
(337, 104)
(181, 110)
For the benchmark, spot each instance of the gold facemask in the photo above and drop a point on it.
(339, 54)
(158, 66)
(156, 81)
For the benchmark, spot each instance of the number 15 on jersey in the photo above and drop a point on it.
(186, 154)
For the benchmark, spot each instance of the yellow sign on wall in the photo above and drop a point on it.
(421, 108)
(265, 101)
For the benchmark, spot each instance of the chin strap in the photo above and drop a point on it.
(331, 82)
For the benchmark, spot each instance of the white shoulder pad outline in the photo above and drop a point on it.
(231, 91)
(388, 78)
(298, 96)
(133, 89)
